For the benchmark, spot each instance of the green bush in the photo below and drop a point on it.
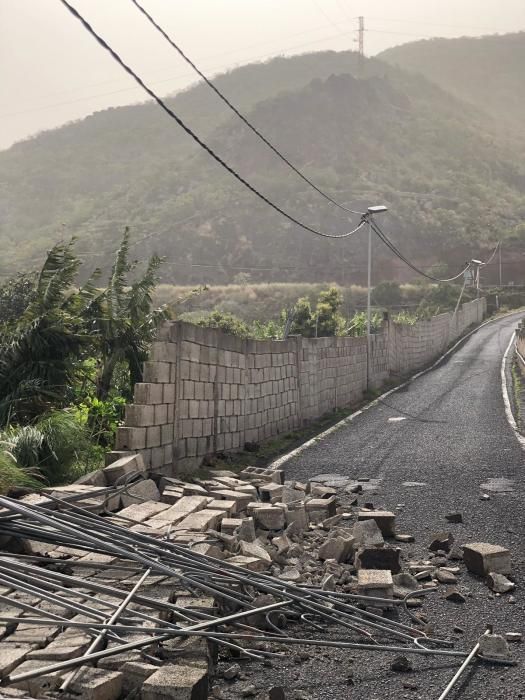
(57, 446)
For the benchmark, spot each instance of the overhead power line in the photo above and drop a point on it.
(194, 136)
(234, 109)
(384, 238)
(493, 253)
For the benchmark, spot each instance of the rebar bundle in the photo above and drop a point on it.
(249, 607)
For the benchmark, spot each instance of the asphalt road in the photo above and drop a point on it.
(447, 430)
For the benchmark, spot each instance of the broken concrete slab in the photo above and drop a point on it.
(499, 583)
(124, 467)
(494, 646)
(441, 541)
(404, 584)
(250, 563)
(255, 549)
(145, 490)
(384, 519)
(482, 558)
(338, 548)
(367, 534)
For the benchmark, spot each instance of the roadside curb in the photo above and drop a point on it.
(280, 461)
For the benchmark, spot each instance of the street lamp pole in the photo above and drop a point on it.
(371, 211)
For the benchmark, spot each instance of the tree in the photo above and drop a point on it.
(38, 353)
(122, 320)
(15, 296)
(325, 320)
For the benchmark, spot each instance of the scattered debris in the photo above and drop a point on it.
(454, 517)
(186, 567)
(499, 583)
(401, 665)
(481, 558)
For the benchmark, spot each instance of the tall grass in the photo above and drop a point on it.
(12, 475)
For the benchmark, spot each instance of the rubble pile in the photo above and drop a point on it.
(131, 583)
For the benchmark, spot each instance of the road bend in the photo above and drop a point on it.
(448, 431)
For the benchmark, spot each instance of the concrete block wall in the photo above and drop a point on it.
(205, 391)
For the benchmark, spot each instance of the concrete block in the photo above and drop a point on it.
(147, 393)
(134, 673)
(254, 549)
(156, 372)
(200, 521)
(385, 520)
(250, 563)
(271, 492)
(296, 515)
(240, 499)
(129, 438)
(142, 511)
(139, 415)
(269, 517)
(377, 583)
(180, 510)
(96, 478)
(180, 682)
(153, 436)
(338, 548)
(325, 507)
(168, 393)
(226, 507)
(367, 534)
(229, 525)
(97, 684)
(160, 413)
(163, 351)
(145, 490)
(41, 685)
(11, 656)
(482, 558)
(378, 558)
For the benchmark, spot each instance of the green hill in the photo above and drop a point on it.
(390, 137)
(486, 71)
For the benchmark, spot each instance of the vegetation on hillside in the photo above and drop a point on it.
(486, 71)
(391, 137)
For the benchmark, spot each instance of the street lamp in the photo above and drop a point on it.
(379, 209)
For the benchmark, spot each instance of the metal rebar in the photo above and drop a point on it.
(462, 668)
(95, 644)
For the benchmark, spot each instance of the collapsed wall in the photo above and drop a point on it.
(205, 391)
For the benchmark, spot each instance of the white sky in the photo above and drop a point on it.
(52, 71)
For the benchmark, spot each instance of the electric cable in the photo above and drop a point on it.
(196, 138)
(384, 238)
(241, 116)
(493, 253)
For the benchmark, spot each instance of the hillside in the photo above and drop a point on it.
(486, 71)
(391, 137)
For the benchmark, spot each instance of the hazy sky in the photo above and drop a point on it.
(52, 71)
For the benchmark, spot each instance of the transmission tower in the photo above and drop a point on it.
(361, 36)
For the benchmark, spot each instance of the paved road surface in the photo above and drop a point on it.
(454, 436)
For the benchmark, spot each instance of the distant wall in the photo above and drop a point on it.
(205, 391)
